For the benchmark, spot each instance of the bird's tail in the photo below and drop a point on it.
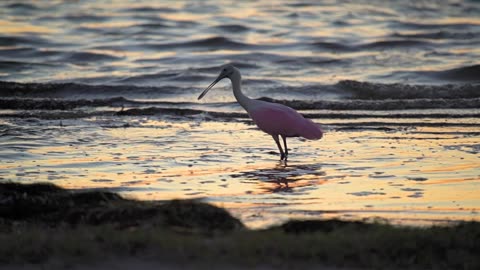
(312, 131)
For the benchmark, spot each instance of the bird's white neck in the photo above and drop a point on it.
(243, 100)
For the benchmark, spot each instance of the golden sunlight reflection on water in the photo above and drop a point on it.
(11, 27)
(401, 175)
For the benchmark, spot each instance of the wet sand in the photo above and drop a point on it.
(132, 264)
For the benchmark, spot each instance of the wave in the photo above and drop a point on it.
(357, 90)
(442, 34)
(301, 105)
(334, 46)
(250, 60)
(84, 17)
(212, 42)
(76, 90)
(22, 6)
(336, 120)
(151, 25)
(389, 44)
(57, 57)
(214, 69)
(329, 115)
(148, 9)
(383, 105)
(82, 57)
(59, 104)
(452, 25)
(381, 91)
(380, 44)
(11, 40)
(20, 65)
(146, 79)
(467, 74)
(345, 90)
(312, 60)
(235, 28)
(26, 52)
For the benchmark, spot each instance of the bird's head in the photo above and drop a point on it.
(226, 71)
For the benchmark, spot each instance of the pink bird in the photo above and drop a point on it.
(272, 118)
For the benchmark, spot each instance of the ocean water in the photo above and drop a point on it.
(104, 95)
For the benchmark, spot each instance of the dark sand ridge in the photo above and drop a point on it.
(42, 225)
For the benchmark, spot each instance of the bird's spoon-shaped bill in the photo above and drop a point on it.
(220, 77)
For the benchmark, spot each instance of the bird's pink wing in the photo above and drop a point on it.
(277, 119)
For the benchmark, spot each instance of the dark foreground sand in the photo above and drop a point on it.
(46, 227)
(135, 263)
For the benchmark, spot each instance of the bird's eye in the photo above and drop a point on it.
(224, 70)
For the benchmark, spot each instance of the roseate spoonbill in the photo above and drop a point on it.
(272, 118)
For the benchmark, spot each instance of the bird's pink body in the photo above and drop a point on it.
(279, 120)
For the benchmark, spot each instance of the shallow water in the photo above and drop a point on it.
(407, 174)
(104, 96)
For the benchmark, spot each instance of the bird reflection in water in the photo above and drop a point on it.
(285, 177)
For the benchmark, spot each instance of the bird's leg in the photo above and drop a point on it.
(277, 141)
(285, 146)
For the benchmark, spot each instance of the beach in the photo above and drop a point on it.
(102, 98)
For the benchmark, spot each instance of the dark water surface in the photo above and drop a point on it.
(98, 94)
